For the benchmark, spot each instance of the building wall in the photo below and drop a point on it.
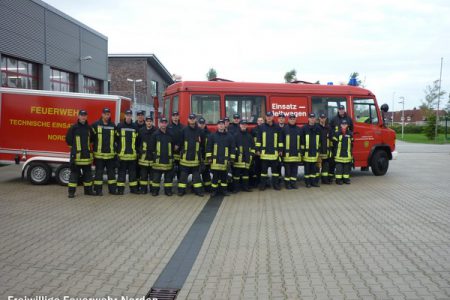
(134, 68)
(34, 31)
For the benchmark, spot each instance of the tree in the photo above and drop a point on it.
(290, 76)
(354, 79)
(431, 97)
(447, 107)
(430, 127)
(212, 74)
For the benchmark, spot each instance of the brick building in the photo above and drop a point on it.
(413, 116)
(145, 67)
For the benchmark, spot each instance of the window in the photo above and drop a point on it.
(328, 105)
(207, 106)
(62, 81)
(166, 107)
(365, 111)
(249, 107)
(91, 86)
(175, 103)
(154, 88)
(19, 74)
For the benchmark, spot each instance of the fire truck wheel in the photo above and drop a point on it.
(39, 173)
(62, 174)
(379, 163)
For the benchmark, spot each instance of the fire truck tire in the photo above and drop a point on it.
(39, 173)
(379, 163)
(62, 174)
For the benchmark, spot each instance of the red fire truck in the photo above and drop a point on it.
(33, 125)
(374, 143)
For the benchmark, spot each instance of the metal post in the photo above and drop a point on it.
(439, 99)
(134, 90)
(393, 111)
(403, 116)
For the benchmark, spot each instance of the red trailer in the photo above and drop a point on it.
(33, 125)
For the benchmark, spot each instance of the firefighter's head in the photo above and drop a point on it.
(260, 121)
(269, 117)
(292, 119)
(312, 119)
(221, 125)
(341, 110)
(140, 115)
(243, 125)
(128, 115)
(323, 119)
(281, 118)
(163, 123)
(192, 120)
(175, 117)
(226, 120)
(148, 122)
(201, 122)
(106, 114)
(344, 125)
(236, 118)
(82, 116)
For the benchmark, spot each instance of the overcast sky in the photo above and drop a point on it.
(396, 46)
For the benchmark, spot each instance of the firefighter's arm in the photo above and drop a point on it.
(209, 147)
(69, 137)
(258, 142)
(302, 142)
(232, 150)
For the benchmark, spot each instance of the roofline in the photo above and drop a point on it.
(61, 94)
(260, 87)
(66, 16)
(148, 56)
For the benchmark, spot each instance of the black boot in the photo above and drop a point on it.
(347, 180)
(134, 190)
(287, 184)
(225, 191)
(120, 190)
(245, 186)
(71, 192)
(143, 190)
(98, 189)
(339, 181)
(198, 192)
(168, 191)
(294, 185)
(112, 189)
(88, 191)
(315, 182)
(308, 182)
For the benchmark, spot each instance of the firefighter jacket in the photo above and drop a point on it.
(221, 150)
(269, 141)
(337, 120)
(126, 140)
(343, 146)
(291, 138)
(145, 154)
(254, 133)
(140, 125)
(245, 149)
(326, 144)
(175, 130)
(310, 142)
(79, 138)
(190, 146)
(205, 134)
(234, 128)
(104, 139)
(162, 146)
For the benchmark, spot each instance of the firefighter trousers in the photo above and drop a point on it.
(219, 180)
(206, 177)
(240, 178)
(168, 180)
(145, 178)
(184, 174)
(127, 166)
(255, 171)
(290, 173)
(75, 171)
(273, 165)
(325, 170)
(100, 165)
(343, 171)
(310, 172)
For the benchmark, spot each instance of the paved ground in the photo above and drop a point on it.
(379, 238)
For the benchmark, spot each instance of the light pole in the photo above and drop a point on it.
(134, 88)
(403, 115)
(439, 99)
(393, 101)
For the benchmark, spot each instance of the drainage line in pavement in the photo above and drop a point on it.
(172, 278)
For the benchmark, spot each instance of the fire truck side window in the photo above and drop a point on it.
(166, 107)
(327, 105)
(249, 107)
(175, 103)
(207, 106)
(365, 111)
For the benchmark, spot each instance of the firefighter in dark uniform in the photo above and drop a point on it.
(255, 168)
(126, 140)
(174, 129)
(79, 139)
(325, 149)
(163, 146)
(227, 122)
(190, 156)
(234, 128)
(205, 165)
(145, 159)
(105, 152)
(282, 124)
(310, 147)
(220, 152)
(140, 123)
(342, 148)
(335, 125)
(245, 150)
(291, 154)
(269, 146)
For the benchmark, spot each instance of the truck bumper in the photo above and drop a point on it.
(394, 155)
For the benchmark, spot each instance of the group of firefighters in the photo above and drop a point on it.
(148, 154)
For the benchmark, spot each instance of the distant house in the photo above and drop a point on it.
(413, 116)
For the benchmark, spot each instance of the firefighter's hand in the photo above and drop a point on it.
(176, 147)
(280, 153)
(257, 153)
(209, 160)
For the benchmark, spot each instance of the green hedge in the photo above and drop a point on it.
(410, 128)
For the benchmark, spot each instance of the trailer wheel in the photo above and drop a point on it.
(62, 174)
(39, 173)
(379, 163)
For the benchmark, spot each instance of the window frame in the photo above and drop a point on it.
(370, 105)
(219, 100)
(70, 84)
(29, 78)
(330, 115)
(262, 111)
(91, 90)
